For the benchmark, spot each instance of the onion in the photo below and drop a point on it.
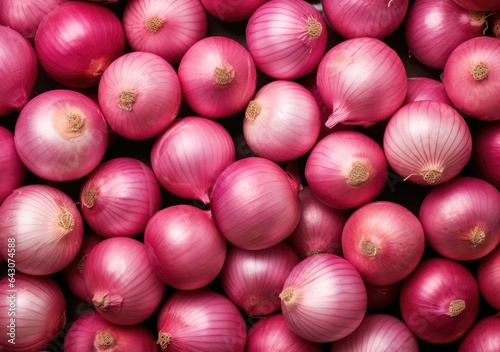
(77, 41)
(488, 278)
(119, 197)
(362, 80)
(382, 297)
(232, 11)
(427, 142)
(423, 88)
(485, 158)
(286, 38)
(272, 334)
(323, 298)
(460, 219)
(200, 320)
(45, 225)
(18, 70)
(253, 279)
(91, 332)
(434, 28)
(184, 246)
(121, 282)
(140, 95)
(11, 168)
(482, 337)
(354, 19)
(255, 203)
(471, 80)
(33, 311)
(439, 301)
(346, 169)
(188, 169)
(165, 28)
(218, 77)
(479, 5)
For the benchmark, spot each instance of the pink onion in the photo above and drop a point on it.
(427, 142)
(45, 225)
(460, 218)
(119, 197)
(319, 229)
(362, 80)
(232, 11)
(482, 337)
(424, 88)
(33, 312)
(346, 169)
(354, 19)
(286, 38)
(188, 169)
(479, 5)
(61, 135)
(200, 320)
(434, 28)
(471, 80)
(255, 203)
(11, 168)
(382, 297)
(323, 298)
(121, 282)
(272, 334)
(218, 77)
(91, 332)
(485, 158)
(140, 95)
(165, 28)
(488, 278)
(18, 70)
(439, 301)
(253, 279)
(77, 41)
(282, 121)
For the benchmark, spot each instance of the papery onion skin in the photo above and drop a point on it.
(424, 88)
(479, 5)
(485, 158)
(188, 169)
(286, 38)
(323, 298)
(482, 337)
(166, 28)
(200, 320)
(77, 41)
(470, 78)
(46, 226)
(378, 332)
(33, 313)
(255, 203)
(11, 167)
(232, 11)
(488, 278)
(439, 301)
(253, 279)
(427, 142)
(362, 80)
(18, 70)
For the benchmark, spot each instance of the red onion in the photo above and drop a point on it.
(119, 197)
(319, 229)
(121, 282)
(11, 167)
(354, 19)
(485, 158)
(479, 5)
(424, 88)
(255, 203)
(140, 95)
(200, 320)
(471, 80)
(77, 41)
(232, 11)
(18, 69)
(272, 334)
(460, 218)
(166, 28)
(488, 278)
(346, 169)
(188, 169)
(61, 135)
(253, 279)
(323, 298)
(91, 332)
(286, 38)
(439, 301)
(218, 77)
(434, 28)
(482, 337)
(45, 225)
(33, 312)
(184, 246)
(427, 142)
(382, 297)
(362, 80)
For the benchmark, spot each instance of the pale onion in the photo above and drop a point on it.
(482, 337)
(232, 11)
(488, 278)
(282, 121)
(479, 5)
(424, 88)
(11, 167)
(485, 158)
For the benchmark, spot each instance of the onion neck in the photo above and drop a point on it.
(153, 24)
(477, 18)
(104, 302)
(65, 222)
(477, 236)
(89, 197)
(104, 341)
(126, 99)
(164, 339)
(368, 248)
(456, 307)
(480, 71)
(224, 74)
(358, 175)
(432, 176)
(253, 110)
(288, 296)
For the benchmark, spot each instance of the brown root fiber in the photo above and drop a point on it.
(456, 307)
(358, 175)
(477, 237)
(253, 110)
(287, 295)
(153, 24)
(368, 248)
(89, 197)
(480, 71)
(126, 99)
(104, 340)
(224, 74)
(65, 219)
(74, 123)
(431, 176)
(164, 339)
